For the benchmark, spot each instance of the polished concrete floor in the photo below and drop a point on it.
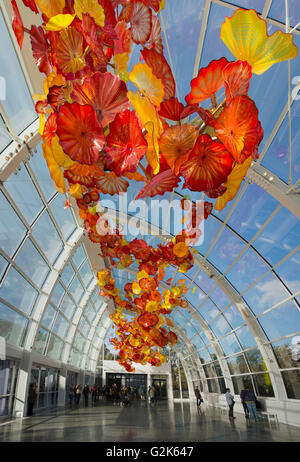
(168, 421)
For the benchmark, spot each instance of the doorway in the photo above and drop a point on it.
(159, 382)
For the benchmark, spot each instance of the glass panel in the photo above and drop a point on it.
(242, 382)
(287, 352)
(246, 270)
(263, 385)
(67, 274)
(52, 246)
(279, 237)
(292, 383)
(225, 250)
(24, 194)
(195, 296)
(266, 293)
(219, 297)
(208, 310)
(41, 172)
(281, 321)
(57, 294)
(197, 342)
(218, 369)
(49, 316)
(204, 356)
(205, 282)
(252, 211)
(245, 337)
(61, 326)
(63, 216)
(289, 273)
(255, 360)
(55, 347)
(76, 290)
(220, 326)
(209, 370)
(18, 103)
(24, 297)
(233, 317)
(68, 307)
(183, 23)
(211, 229)
(229, 344)
(12, 230)
(79, 256)
(13, 326)
(213, 386)
(5, 138)
(32, 263)
(277, 11)
(3, 266)
(41, 340)
(86, 274)
(237, 365)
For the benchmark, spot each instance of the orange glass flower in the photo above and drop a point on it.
(208, 165)
(176, 144)
(208, 82)
(237, 127)
(80, 134)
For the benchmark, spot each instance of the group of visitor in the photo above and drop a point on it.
(248, 399)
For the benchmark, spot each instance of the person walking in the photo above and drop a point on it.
(249, 398)
(230, 402)
(78, 393)
(86, 391)
(94, 390)
(71, 394)
(246, 410)
(198, 396)
(152, 395)
(32, 395)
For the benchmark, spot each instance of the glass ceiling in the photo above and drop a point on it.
(250, 255)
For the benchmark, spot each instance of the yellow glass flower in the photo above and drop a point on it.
(60, 157)
(245, 34)
(136, 288)
(148, 84)
(76, 190)
(59, 22)
(233, 183)
(51, 7)
(54, 169)
(121, 62)
(93, 8)
(151, 307)
(150, 120)
(142, 275)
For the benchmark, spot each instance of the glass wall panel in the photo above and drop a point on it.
(219, 326)
(263, 385)
(266, 293)
(219, 297)
(255, 360)
(289, 273)
(76, 290)
(204, 356)
(86, 274)
(52, 246)
(41, 172)
(241, 382)
(24, 194)
(13, 326)
(12, 230)
(67, 274)
(233, 317)
(281, 321)
(55, 347)
(245, 337)
(292, 383)
(68, 307)
(3, 266)
(63, 216)
(237, 364)
(18, 103)
(225, 250)
(229, 344)
(208, 310)
(41, 341)
(32, 263)
(17, 291)
(247, 270)
(57, 294)
(285, 353)
(79, 256)
(49, 316)
(213, 385)
(61, 326)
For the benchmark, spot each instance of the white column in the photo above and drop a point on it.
(62, 386)
(20, 406)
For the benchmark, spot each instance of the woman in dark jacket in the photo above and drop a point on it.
(31, 398)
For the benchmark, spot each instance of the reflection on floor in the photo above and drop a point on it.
(167, 421)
